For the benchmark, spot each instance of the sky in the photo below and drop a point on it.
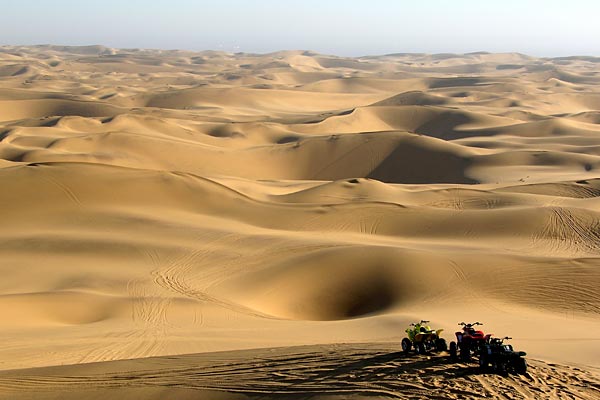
(341, 27)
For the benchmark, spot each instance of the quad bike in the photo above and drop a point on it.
(502, 358)
(468, 342)
(423, 339)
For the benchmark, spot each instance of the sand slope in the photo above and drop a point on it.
(321, 372)
(157, 203)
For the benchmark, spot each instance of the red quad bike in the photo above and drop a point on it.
(468, 341)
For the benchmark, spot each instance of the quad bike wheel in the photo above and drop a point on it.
(499, 367)
(420, 347)
(483, 362)
(521, 366)
(440, 344)
(465, 353)
(453, 351)
(406, 345)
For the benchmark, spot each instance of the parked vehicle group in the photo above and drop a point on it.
(492, 353)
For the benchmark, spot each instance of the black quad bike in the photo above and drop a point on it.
(501, 357)
(468, 341)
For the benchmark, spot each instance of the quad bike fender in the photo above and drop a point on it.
(438, 332)
(423, 337)
(487, 337)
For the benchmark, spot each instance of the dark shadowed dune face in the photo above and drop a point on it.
(339, 284)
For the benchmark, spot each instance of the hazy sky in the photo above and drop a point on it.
(344, 27)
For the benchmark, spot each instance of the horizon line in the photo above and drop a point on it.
(314, 52)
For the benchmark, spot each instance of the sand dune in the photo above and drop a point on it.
(320, 372)
(25, 109)
(159, 203)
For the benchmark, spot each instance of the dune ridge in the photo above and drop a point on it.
(321, 371)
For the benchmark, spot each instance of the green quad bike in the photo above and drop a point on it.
(423, 339)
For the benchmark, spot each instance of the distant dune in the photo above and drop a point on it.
(160, 203)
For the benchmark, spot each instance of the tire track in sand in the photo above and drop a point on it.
(339, 369)
(176, 276)
(568, 231)
(149, 310)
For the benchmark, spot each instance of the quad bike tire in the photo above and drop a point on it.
(440, 345)
(453, 351)
(521, 366)
(483, 362)
(499, 368)
(420, 347)
(406, 345)
(465, 353)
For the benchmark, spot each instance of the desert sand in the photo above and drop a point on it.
(217, 225)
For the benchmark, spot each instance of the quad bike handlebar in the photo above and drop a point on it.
(500, 340)
(469, 325)
(419, 323)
